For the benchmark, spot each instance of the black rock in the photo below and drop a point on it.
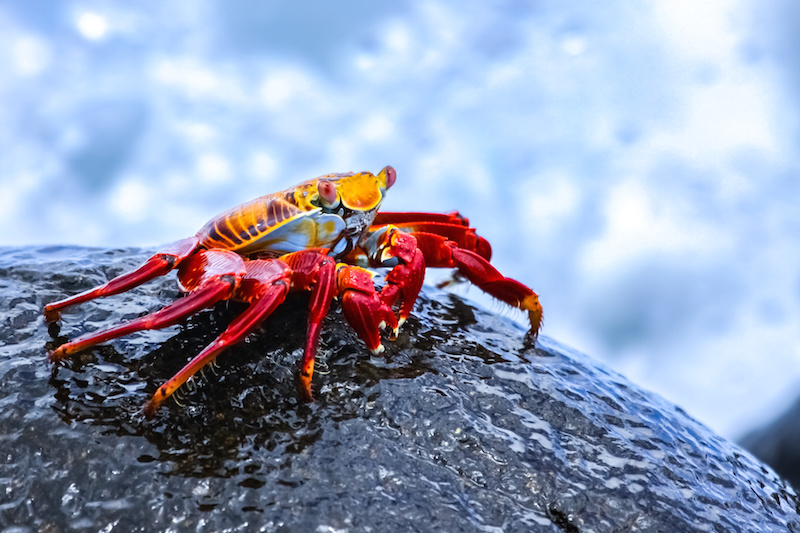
(777, 444)
(461, 427)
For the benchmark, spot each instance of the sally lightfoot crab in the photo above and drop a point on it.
(319, 236)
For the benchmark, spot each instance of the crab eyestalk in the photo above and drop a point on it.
(387, 177)
(328, 195)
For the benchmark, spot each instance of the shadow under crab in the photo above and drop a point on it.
(248, 400)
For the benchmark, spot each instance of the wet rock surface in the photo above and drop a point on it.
(461, 427)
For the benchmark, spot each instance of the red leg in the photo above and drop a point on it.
(446, 240)
(315, 271)
(217, 282)
(264, 296)
(384, 218)
(452, 225)
(158, 265)
(441, 252)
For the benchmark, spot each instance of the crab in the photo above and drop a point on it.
(322, 236)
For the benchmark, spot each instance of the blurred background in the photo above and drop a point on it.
(635, 163)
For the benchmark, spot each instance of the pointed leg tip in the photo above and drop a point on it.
(306, 395)
(51, 314)
(155, 401)
(396, 329)
(535, 315)
(379, 350)
(304, 387)
(150, 409)
(57, 355)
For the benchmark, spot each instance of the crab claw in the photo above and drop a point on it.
(404, 281)
(363, 308)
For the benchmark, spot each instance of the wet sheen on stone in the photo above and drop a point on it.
(461, 427)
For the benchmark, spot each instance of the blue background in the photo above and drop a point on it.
(634, 163)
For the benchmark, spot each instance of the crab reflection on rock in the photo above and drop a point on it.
(319, 236)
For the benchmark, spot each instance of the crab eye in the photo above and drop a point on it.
(391, 176)
(327, 192)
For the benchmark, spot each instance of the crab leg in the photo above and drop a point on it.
(439, 251)
(315, 271)
(170, 315)
(213, 276)
(464, 236)
(384, 218)
(265, 286)
(264, 294)
(158, 265)
(446, 240)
